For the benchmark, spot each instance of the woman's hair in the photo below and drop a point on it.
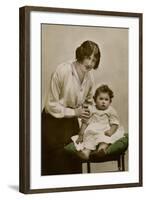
(86, 49)
(103, 89)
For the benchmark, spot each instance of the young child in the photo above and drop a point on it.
(102, 129)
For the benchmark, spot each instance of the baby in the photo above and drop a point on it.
(102, 129)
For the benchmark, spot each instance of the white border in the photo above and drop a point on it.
(132, 176)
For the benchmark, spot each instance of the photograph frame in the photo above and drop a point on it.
(25, 98)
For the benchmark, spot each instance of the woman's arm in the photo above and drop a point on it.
(54, 104)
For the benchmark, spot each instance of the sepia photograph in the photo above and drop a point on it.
(80, 100)
(84, 81)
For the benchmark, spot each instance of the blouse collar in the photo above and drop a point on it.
(74, 72)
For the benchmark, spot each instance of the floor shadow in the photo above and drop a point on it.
(14, 187)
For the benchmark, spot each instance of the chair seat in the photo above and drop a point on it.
(95, 158)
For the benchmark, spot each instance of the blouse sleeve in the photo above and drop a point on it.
(114, 118)
(54, 104)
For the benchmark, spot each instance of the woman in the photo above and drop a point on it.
(71, 86)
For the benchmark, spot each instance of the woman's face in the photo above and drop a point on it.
(88, 63)
(103, 101)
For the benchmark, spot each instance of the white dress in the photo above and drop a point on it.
(98, 123)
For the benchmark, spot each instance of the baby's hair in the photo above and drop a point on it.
(103, 89)
(86, 49)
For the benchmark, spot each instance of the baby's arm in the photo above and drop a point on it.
(81, 133)
(85, 123)
(113, 122)
(112, 130)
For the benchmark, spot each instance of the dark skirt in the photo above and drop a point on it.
(55, 134)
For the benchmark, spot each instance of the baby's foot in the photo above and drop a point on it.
(102, 149)
(101, 153)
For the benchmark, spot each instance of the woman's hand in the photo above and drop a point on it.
(83, 113)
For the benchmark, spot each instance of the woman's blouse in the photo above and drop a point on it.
(67, 92)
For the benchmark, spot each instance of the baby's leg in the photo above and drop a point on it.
(84, 154)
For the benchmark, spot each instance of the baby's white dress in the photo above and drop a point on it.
(98, 123)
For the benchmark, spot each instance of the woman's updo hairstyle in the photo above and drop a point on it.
(86, 49)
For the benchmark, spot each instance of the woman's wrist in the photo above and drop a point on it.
(77, 111)
(69, 112)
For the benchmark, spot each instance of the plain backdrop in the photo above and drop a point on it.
(9, 101)
(59, 44)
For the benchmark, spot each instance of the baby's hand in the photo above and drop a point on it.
(108, 133)
(80, 139)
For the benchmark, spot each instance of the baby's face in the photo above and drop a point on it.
(103, 101)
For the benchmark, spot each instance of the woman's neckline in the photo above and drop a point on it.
(80, 74)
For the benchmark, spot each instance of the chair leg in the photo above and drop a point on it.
(119, 163)
(88, 167)
(123, 162)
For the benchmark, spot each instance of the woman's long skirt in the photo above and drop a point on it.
(55, 134)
